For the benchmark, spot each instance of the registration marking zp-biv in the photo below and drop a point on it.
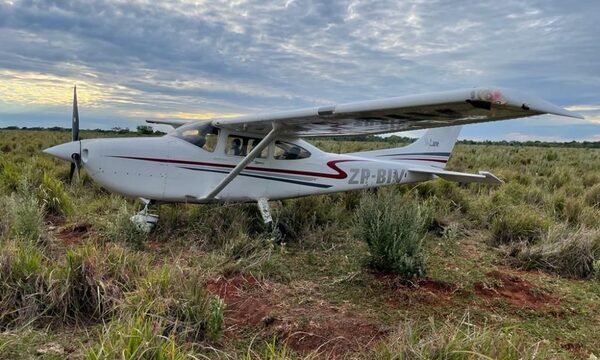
(380, 176)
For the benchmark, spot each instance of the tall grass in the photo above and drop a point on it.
(394, 228)
(181, 302)
(53, 196)
(515, 224)
(461, 340)
(567, 253)
(136, 338)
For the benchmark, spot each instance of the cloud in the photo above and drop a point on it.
(139, 58)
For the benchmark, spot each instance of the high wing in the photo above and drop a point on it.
(413, 112)
(173, 122)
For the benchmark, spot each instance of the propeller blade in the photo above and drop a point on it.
(75, 124)
(72, 172)
(75, 165)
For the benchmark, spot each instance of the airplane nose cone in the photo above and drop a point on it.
(64, 151)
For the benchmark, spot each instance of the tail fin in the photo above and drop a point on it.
(431, 149)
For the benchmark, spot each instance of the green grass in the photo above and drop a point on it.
(394, 229)
(210, 282)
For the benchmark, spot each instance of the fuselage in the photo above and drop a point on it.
(171, 169)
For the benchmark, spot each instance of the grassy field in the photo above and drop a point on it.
(508, 272)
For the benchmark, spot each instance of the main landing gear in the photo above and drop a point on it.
(144, 220)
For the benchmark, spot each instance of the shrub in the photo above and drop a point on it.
(307, 214)
(53, 197)
(518, 224)
(564, 252)
(394, 229)
(25, 218)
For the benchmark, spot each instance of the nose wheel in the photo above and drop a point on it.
(144, 220)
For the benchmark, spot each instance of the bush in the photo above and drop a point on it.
(394, 229)
(302, 215)
(571, 254)
(518, 224)
(25, 218)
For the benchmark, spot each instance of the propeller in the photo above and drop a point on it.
(75, 157)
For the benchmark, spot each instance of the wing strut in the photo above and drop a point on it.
(242, 164)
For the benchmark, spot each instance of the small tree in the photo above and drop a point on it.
(145, 129)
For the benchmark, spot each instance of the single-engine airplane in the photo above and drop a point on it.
(262, 157)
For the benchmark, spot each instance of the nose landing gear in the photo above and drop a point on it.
(144, 220)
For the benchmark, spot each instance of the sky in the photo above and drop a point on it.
(139, 59)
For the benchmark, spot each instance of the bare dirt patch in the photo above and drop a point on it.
(248, 301)
(53, 220)
(423, 291)
(74, 234)
(515, 290)
(326, 330)
(316, 326)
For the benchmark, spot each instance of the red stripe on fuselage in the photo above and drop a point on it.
(421, 159)
(340, 174)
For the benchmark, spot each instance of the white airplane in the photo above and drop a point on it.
(262, 157)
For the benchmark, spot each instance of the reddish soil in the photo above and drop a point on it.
(319, 327)
(515, 290)
(243, 307)
(73, 234)
(423, 291)
(328, 331)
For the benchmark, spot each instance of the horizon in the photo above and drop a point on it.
(199, 60)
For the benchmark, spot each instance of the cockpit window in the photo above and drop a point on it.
(287, 151)
(203, 135)
(242, 145)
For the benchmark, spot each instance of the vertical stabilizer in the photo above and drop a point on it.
(431, 149)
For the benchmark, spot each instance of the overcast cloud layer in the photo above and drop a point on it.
(143, 59)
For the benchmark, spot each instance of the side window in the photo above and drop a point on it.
(201, 135)
(288, 151)
(211, 141)
(241, 146)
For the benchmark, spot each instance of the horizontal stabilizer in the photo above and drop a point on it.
(481, 177)
(174, 123)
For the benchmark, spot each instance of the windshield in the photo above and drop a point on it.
(201, 134)
(288, 151)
